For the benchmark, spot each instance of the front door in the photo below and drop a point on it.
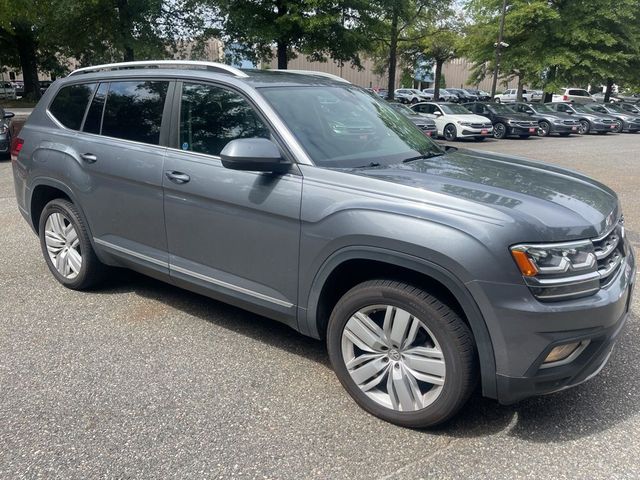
(231, 234)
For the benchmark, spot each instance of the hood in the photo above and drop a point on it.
(465, 117)
(559, 204)
(521, 117)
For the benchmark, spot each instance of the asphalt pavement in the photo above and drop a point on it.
(142, 380)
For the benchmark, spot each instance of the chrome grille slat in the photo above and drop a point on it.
(609, 250)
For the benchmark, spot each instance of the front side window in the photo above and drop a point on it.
(134, 110)
(70, 104)
(343, 127)
(211, 116)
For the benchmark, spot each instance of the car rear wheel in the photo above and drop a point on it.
(618, 128)
(450, 132)
(66, 246)
(585, 127)
(499, 130)
(414, 100)
(497, 100)
(402, 355)
(544, 128)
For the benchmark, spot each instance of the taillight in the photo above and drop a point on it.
(565, 98)
(16, 146)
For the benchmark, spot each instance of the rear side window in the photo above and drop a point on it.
(70, 104)
(134, 110)
(579, 93)
(210, 117)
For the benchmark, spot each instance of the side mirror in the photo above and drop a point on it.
(529, 111)
(9, 115)
(437, 113)
(253, 154)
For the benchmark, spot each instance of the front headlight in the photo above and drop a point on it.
(558, 271)
(558, 122)
(4, 129)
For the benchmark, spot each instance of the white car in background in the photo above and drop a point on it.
(454, 121)
(573, 95)
(7, 91)
(511, 96)
(410, 95)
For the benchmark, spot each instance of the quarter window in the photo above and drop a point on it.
(134, 110)
(210, 117)
(70, 104)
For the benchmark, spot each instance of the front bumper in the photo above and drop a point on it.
(475, 132)
(524, 330)
(631, 126)
(519, 130)
(562, 128)
(603, 127)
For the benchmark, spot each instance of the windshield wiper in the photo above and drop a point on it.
(422, 157)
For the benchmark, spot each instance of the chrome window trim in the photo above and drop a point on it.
(130, 252)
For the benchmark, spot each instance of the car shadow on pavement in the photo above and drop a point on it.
(596, 406)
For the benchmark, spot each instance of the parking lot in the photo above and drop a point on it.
(142, 380)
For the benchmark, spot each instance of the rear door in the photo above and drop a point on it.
(121, 153)
(233, 235)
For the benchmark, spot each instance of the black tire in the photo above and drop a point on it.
(92, 271)
(449, 132)
(500, 130)
(497, 100)
(585, 127)
(544, 128)
(451, 332)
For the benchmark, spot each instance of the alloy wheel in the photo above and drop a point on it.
(63, 245)
(584, 127)
(544, 129)
(449, 132)
(499, 130)
(393, 358)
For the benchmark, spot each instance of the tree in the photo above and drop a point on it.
(394, 27)
(317, 28)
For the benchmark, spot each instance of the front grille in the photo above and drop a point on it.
(422, 126)
(609, 250)
(527, 124)
(481, 125)
(606, 120)
(570, 122)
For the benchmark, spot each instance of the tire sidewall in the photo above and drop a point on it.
(449, 400)
(454, 132)
(63, 207)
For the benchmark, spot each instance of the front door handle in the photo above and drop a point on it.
(89, 157)
(177, 177)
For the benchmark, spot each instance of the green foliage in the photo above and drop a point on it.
(317, 28)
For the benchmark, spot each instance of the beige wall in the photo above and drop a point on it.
(457, 73)
(363, 78)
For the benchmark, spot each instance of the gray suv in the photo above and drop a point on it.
(309, 201)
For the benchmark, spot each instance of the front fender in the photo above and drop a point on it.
(308, 321)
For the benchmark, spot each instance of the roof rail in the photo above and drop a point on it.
(312, 73)
(213, 66)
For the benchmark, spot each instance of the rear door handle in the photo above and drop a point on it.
(177, 177)
(89, 157)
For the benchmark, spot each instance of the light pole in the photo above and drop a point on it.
(499, 44)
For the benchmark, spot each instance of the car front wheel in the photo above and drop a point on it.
(402, 355)
(585, 127)
(544, 129)
(499, 130)
(450, 133)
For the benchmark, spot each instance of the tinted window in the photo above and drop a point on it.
(210, 117)
(93, 122)
(70, 104)
(134, 110)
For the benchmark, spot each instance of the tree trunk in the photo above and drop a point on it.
(393, 53)
(607, 93)
(125, 26)
(282, 55)
(520, 88)
(26, 46)
(436, 80)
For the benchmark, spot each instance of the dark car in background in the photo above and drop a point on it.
(629, 122)
(424, 123)
(481, 94)
(506, 122)
(463, 95)
(630, 107)
(590, 120)
(549, 121)
(5, 132)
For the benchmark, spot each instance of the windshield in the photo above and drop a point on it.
(582, 109)
(499, 108)
(542, 108)
(454, 109)
(616, 108)
(345, 127)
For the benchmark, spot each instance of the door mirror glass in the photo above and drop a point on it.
(529, 111)
(437, 113)
(253, 154)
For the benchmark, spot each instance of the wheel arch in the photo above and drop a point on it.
(327, 287)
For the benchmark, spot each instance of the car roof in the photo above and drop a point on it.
(205, 71)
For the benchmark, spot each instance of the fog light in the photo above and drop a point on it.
(563, 354)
